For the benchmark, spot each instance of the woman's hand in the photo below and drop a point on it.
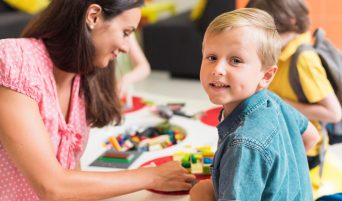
(171, 176)
(203, 191)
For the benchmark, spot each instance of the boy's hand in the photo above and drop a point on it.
(171, 176)
(203, 191)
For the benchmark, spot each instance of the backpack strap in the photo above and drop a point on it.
(323, 149)
(294, 74)
(319, 35)
(297, 88)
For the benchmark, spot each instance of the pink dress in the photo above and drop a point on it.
(25, 67)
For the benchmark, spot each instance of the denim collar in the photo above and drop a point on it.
(235, 119)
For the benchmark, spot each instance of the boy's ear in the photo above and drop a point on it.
(93, 15)
(293, 20)
(268, 76)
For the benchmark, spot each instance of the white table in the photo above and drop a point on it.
(198, 134)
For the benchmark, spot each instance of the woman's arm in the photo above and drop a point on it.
(26, 140)
(326, 110)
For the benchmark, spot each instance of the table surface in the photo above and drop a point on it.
(198, 134)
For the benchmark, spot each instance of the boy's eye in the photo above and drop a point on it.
(212, 58)
(235, 60)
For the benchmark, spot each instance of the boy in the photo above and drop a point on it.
(260, 154)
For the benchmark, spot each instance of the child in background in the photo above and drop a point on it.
(292, 21)
(131, 67)
(260, 154)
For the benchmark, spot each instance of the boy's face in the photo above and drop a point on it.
(231, 70)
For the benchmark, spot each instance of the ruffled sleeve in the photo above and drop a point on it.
(17, 68)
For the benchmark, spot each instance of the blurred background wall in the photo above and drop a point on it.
(323, 13)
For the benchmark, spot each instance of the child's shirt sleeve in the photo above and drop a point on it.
(243, 173)
(294, 119)
(313, 77)
(16, 73)
(299, 119)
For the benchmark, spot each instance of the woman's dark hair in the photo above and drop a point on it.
(283, 11)
(63, 29)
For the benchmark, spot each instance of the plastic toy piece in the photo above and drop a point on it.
(164, 111)
(117, 160)
(115, 143)
(175, 106)
(114, 154)
(197, 168)
(198, 162)
(206, 168)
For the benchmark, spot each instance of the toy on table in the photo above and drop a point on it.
(125, 148)
(177, 109)
(198, 162)
(132, 104)
(127, 101)
(170, 109)
(114, 159)
(155, 138)
(164, 112)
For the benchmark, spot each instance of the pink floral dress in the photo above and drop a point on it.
(25, 67)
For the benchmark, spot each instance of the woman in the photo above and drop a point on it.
(56, 82)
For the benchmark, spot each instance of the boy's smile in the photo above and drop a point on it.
(217, 85)
(231, 69)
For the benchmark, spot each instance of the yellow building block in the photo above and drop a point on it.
(178, 156)
(196, 168)
(115, 143)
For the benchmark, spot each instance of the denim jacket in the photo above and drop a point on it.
(260, 154)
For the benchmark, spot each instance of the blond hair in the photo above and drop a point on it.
(267, 37)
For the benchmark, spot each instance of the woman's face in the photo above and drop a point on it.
(111, 37)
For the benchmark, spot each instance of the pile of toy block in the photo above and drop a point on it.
(198, 162)
(161, 136)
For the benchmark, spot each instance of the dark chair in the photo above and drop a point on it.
(12, 22)
(175, 44)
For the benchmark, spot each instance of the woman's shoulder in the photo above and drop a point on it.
(21, 52)
(18, 49)
(20, 42)
(20, 63)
